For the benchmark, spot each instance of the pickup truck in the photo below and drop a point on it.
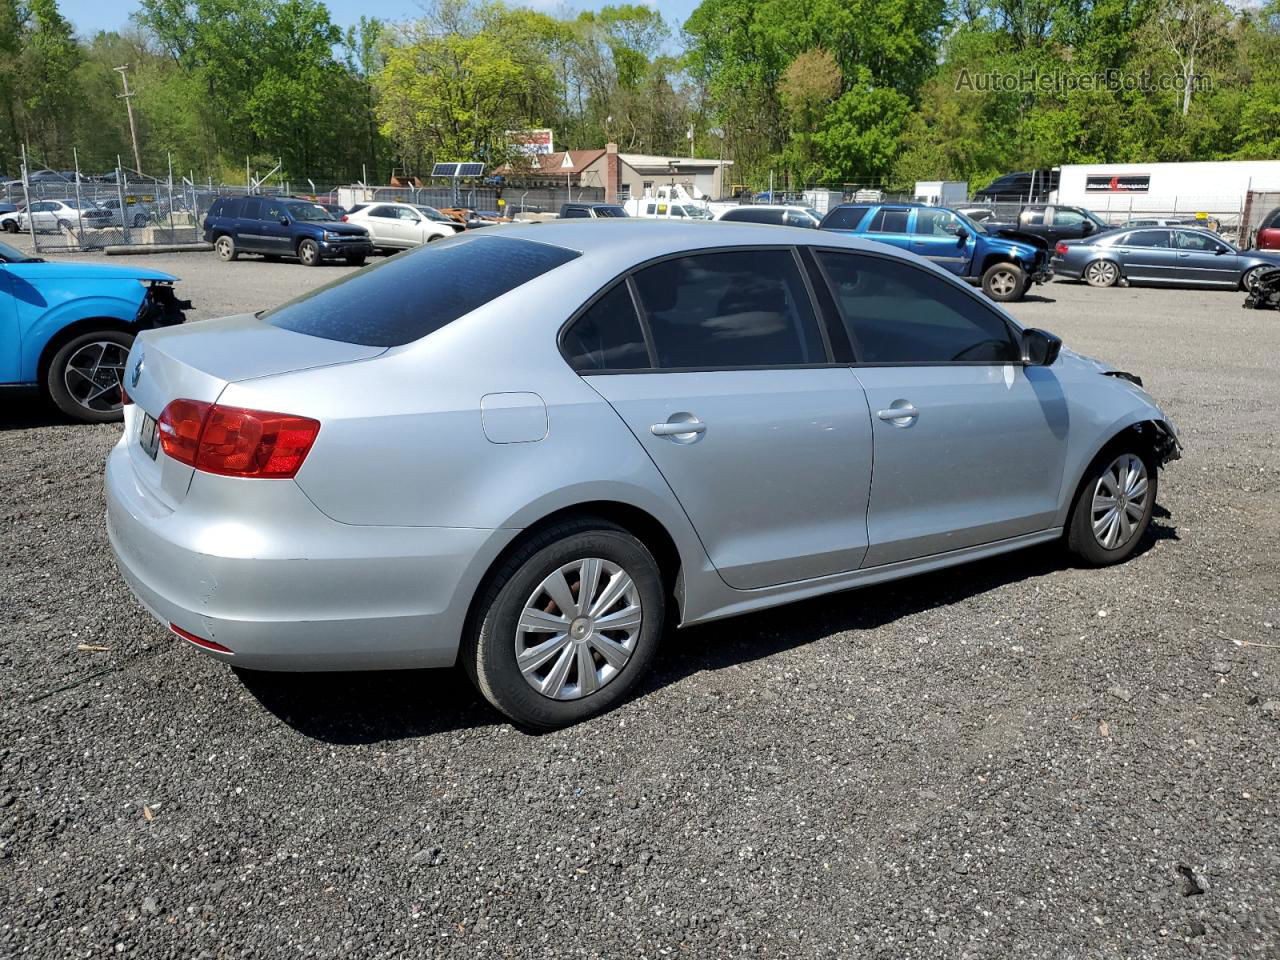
(1052, 222)
(1005, 264)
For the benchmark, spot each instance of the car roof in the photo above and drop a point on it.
(773, 206)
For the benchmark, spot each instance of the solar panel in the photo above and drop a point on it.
(470, 170)
(445, 170)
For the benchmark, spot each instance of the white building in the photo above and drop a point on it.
(1215, 187)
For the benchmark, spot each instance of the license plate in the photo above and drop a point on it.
(148, 437)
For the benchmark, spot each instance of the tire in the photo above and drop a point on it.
(64, 226)
(140, 220)
(225, 248)
(1251, 277)
(309, 253)
(519, 588)
(1101, 273)
(357, 260)
(1126, 467)
(11, 226)
(83, 378)
(433, 238)
(1004, 282)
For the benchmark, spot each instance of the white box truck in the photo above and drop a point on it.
(942, 193)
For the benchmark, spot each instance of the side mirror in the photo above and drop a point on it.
(1039, 347)
(1087, 227)
(962, 234)
(1219, 251)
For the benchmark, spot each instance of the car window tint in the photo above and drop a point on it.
(406, 297)
(610, 211)
(408, 213)
(1147, 238)
(575, 213)
(1067, 218)
(898, 313)
(233, 207)
(382, 211)
(607, 336)
(272, 210)
(1033, 218)
(935, 223)
(748, 308)
(844, 218)
(888, 220)
(251, 209)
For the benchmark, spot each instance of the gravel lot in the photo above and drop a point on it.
(1013, 759)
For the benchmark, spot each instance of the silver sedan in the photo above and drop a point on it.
(1165, 256)
(529, 450)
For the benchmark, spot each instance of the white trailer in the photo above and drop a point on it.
(942, 193)
(1217, 188)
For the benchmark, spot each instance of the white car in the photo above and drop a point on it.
(60, 215)
(11, 222)
(400, 226)
(782, 215)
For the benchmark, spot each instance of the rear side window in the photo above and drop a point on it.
(844, 218)
(232, 207)
(897, 313)
(251, 209)
(406, 297)
(610, 211)
(607, 336)
(748, 308)
(571, 213)
(215, 208)
(1146, 238)
(747, 215)
(888, 220)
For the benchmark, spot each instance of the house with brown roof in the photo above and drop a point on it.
(623, 175)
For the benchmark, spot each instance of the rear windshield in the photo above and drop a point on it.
(844, 218)
(408, 296)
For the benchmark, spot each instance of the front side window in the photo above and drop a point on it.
(406, 297)
(1146, 238)
(251, 209)
(408, 213)
(748, 308)
(608, 336)
(1033, 218)
(1186, 240)
(231, 208)
(1067, 218)
(936, 223)
(889, 220)
(897, 313)
(610, 211)
(272, 211)
(309, 212)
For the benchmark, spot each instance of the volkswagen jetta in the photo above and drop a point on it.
(529, 450)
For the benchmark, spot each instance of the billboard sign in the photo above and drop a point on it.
(531, 143)
(1120, 183)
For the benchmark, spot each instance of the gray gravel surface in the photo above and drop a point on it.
(1012, 759)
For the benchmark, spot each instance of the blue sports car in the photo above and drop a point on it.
(66, 328)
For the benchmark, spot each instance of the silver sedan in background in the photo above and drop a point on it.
(1167, 256)
(528, 451)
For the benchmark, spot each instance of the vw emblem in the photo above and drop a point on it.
(137, 371)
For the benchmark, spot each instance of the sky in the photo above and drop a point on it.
(90, 16)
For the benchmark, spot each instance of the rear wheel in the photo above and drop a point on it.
(1102, 273)
(85, 375)
(64, 226)
(225, 247)
(140, 220)
(567, 625)
(309, 253)
(1114, 506)
(1004, 282)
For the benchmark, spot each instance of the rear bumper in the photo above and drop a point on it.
(282, 586)
(1058, 266)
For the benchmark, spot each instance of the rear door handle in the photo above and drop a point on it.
(905, 412)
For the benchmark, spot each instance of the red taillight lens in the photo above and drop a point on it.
(235, 442)
(1060, 249)
(180, 424)
(199, 641)
(125, 399)
(344, 218)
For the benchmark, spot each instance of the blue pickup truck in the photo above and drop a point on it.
(1003, 263)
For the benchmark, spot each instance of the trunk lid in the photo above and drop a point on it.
(196, 361)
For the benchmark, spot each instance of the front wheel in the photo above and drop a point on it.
(1102, 273)
(1113, 509)
(309, 253)
(1004, 282)
(11, 226)
(140, 220)
(567, 625)
(1250, 278)
(85, 376)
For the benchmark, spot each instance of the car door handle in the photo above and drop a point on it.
(905, 412)
(682, 427)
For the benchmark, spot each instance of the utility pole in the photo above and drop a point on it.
(127, 97)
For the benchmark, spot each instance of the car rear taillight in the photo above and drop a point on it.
(235, 442)
(199, 641)
(344, 218)
(1060, 249)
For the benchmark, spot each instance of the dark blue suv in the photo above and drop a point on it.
(1004, 266)
(283, 227)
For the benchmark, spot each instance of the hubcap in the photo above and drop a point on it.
(578, 629)
(1120, 502)
(1003, 283)
(1102, 273)
(94, 374)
